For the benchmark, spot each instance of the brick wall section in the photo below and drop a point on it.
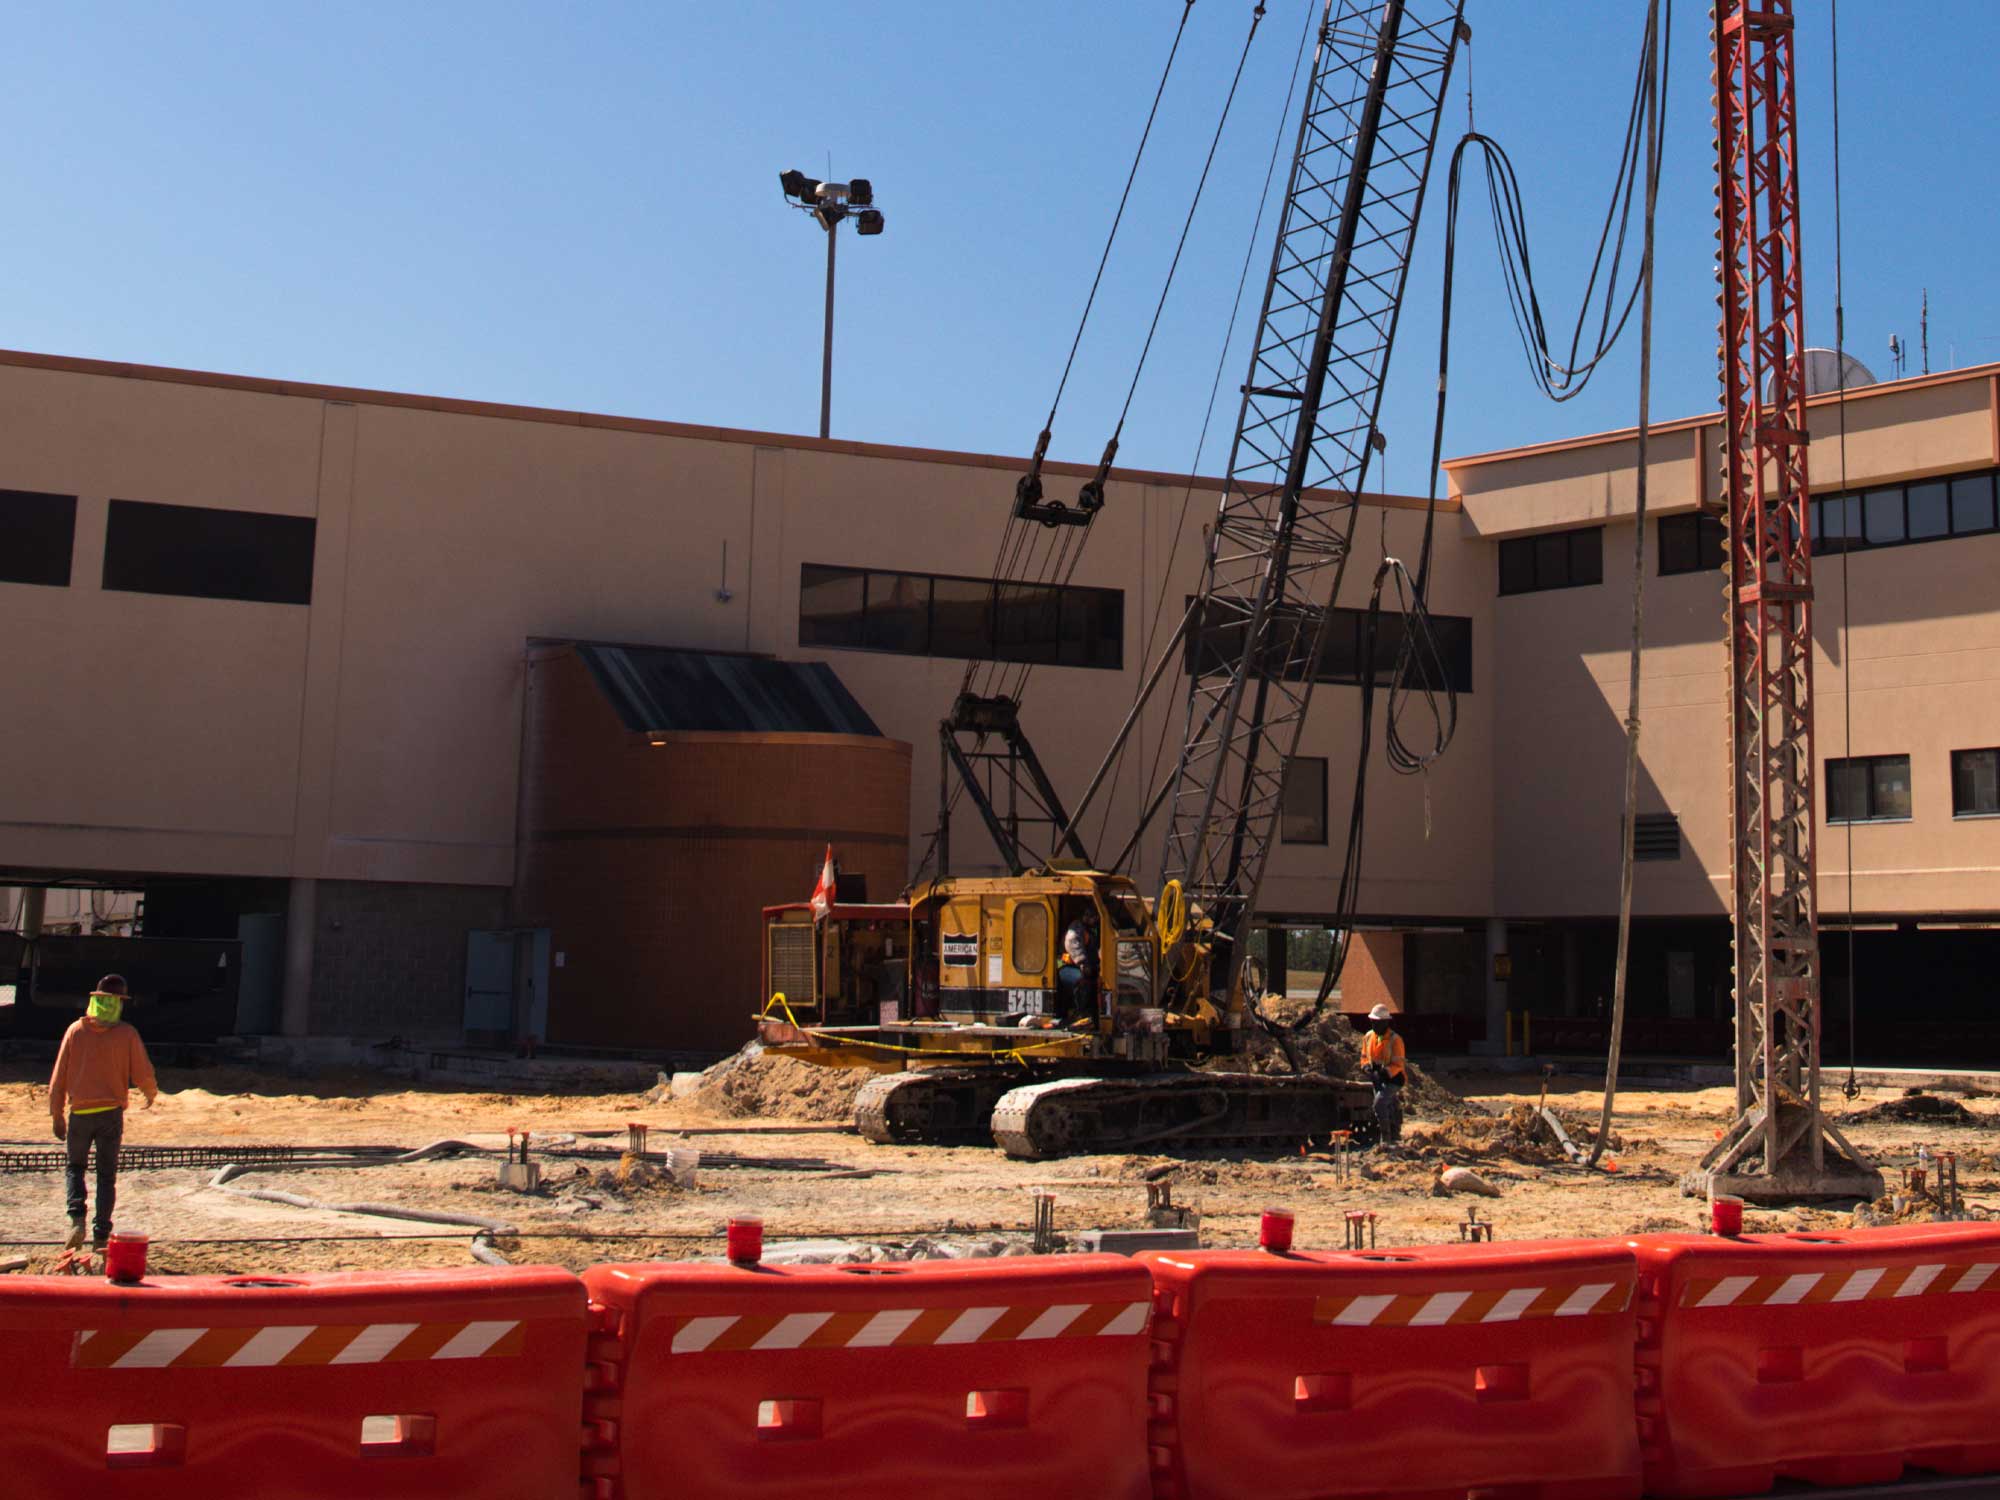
(651, 865)
(1374, 973)
(389, 960)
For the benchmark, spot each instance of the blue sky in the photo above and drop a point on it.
(577, 205)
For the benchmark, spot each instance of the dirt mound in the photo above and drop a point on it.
(761, 1085)
(1518, 1135)
(1329, 1044)
(1916, 1106)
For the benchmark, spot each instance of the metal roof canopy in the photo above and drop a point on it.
(661, 690)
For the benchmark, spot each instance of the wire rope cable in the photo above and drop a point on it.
(1421, 671)
(1852, 1088)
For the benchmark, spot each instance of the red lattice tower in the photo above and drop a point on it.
(1780, 1147)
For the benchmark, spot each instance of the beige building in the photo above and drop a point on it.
(269, 646)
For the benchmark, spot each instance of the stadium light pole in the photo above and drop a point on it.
(829, 203)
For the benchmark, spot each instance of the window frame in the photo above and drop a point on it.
(1824, 544)
(1343, 638)
(145, 541)
(1098, 650)
(1532, 548)
(1868, 765)
(1706, 542)
(1284, 812)
(47, 557)
(1958, 811)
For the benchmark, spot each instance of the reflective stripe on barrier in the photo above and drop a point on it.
(1835, 1358)
(1000, 1378)
(415, 1383)
(1421, 1372)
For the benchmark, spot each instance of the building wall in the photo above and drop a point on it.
(375, 734)
(389, 956)
(1921, 646)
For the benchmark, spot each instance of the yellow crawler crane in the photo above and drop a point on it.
(955, 999)
(963, 1002)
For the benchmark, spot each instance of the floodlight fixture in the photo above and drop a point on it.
(829, 203)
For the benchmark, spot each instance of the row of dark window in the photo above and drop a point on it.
(1343, 648)
(185, 550)
(933, 614)
(1552, 560)
(1876, 788)
(1928, 510)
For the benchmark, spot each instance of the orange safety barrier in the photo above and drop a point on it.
(1832, 1358)
(991, 1380)
(413, 1383)
(1422, 1372)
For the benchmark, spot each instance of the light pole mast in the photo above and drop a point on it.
(829, 203)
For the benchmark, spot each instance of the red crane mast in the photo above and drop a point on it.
(1780, 1146)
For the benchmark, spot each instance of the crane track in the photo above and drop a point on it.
(930, 1107)
(1202, 1110)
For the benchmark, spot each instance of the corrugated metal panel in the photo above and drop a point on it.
(660, 691)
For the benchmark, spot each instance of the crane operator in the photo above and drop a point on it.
(1076, 976)
(1383, 1056)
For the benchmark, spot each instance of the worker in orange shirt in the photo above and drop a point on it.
(1383, 1058)
(101, 1059)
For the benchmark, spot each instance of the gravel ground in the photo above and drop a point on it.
(576, 1221)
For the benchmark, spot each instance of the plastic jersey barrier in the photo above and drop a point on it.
(1424, 1372)
(999, 1380)
(1835, 1358)
(412, 1384)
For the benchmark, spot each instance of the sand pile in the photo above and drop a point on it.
(763, 1085)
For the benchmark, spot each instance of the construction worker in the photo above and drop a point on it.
(100, 1060)
(1076, 975)
(1383, 1056)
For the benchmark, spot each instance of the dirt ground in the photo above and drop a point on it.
(835, 1184)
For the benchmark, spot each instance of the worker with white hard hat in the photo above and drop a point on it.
(1383, 1057)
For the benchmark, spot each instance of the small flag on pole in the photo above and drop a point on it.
(822, 896)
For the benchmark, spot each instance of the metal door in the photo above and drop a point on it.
(489, 985)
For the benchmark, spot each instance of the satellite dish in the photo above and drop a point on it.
(1827, 371)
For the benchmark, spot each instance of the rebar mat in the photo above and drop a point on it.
(148, 1158)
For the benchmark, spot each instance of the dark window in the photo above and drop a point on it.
(1586, 555)
(1656, 836)
(1837, 523)
(1302, 803)
(1869, 788)
(919, 614)
(40, 532)
(1553, 560)
(832, 606)
(1925, 511)
(1930, 510)
(1975, 783)
(1219, 647)
(1690, 544)
(899, 613)
(199, 553)
(1972, 504)
(1882, 517)
(961, 616)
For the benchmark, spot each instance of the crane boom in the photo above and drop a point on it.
(1305, 432)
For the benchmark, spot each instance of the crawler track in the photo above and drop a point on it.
(1068, 1115)
(933, 1107)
